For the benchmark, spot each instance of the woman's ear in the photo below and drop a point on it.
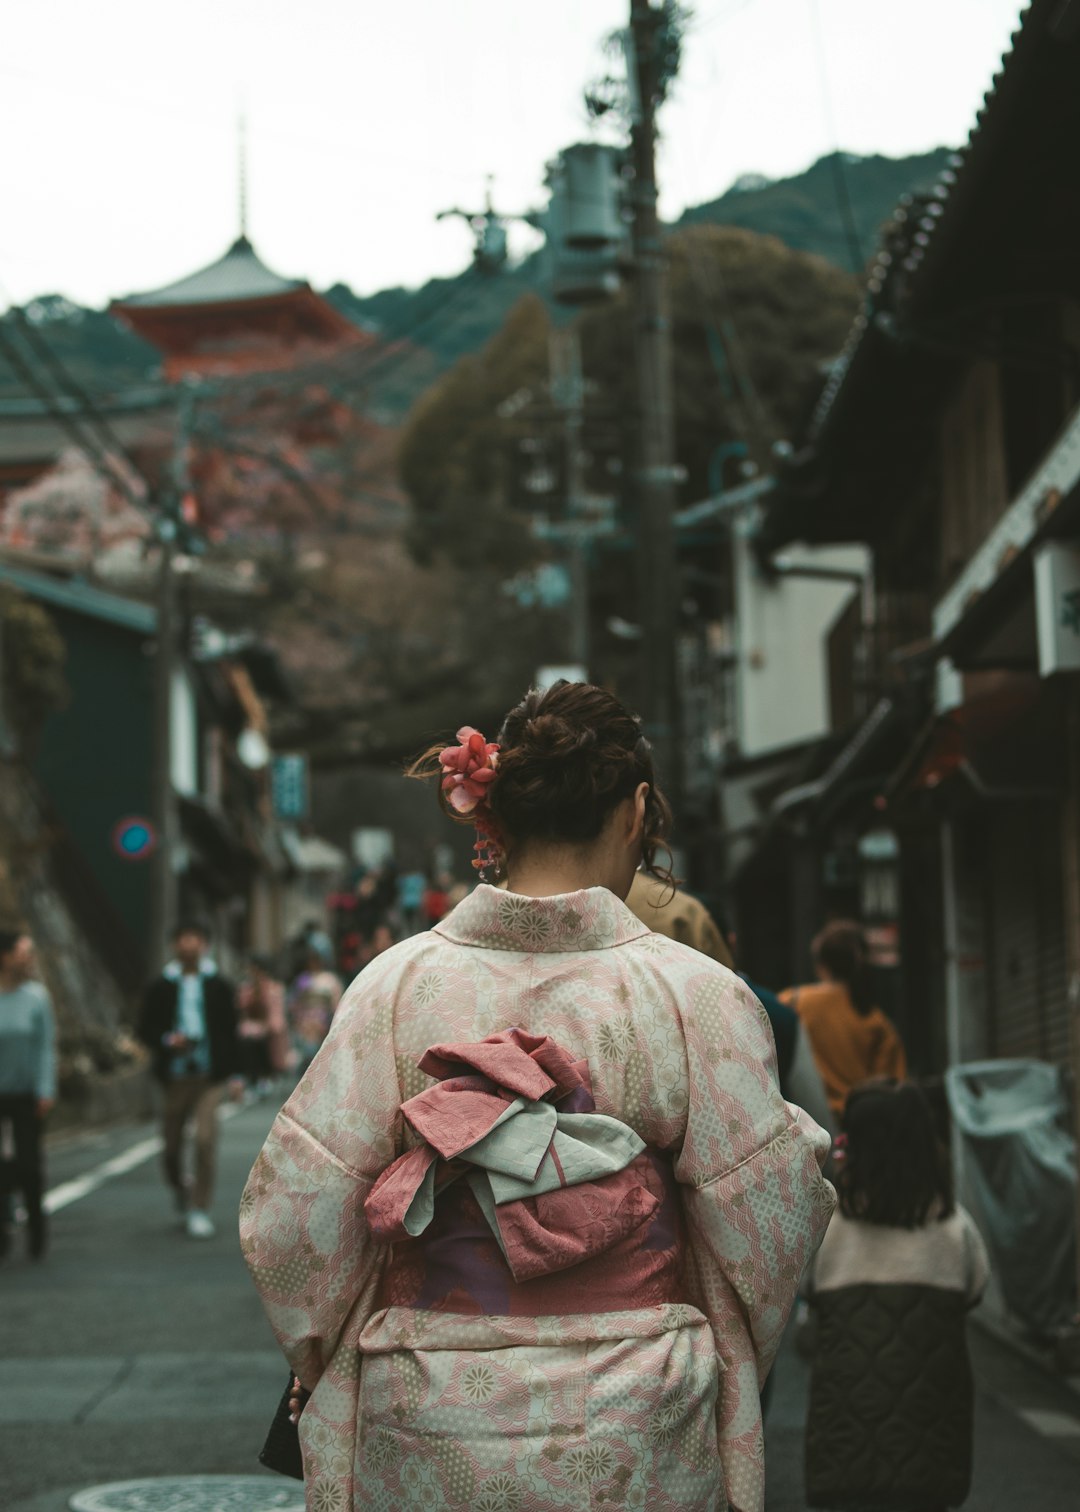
(636, 831)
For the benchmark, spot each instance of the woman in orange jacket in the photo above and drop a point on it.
(852, 1040)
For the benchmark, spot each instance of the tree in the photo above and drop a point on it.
(456, 452)
(753, 323)
(31, 666)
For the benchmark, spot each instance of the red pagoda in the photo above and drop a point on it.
(237, 316)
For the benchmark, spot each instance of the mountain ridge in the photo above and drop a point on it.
(447, 318)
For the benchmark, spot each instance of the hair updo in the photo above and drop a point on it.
(841, 949)
(567, 757)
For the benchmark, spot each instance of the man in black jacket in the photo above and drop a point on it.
(188, 1023)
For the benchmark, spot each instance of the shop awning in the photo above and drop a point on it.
(858, 767)
(1001, 743)
(987, 619)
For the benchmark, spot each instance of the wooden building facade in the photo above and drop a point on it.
(948, 440)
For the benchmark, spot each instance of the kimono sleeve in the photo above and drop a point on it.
(303, 1229)
(755, 1200)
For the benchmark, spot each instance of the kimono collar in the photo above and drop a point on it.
(593, 919)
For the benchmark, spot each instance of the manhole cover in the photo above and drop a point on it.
(193, 1493)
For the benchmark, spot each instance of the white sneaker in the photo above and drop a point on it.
(200, 1225)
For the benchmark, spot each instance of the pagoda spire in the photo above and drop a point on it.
(242, 177)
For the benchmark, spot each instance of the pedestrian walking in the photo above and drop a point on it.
(313, 1002)
(411, 887)
(312, 938)
(678, 915)
(262, 1025)
(800, 1079)
(188, 1023)
(852, 1039)
(27, 1085)
(542, 1181)
(435, 904)
(891, 1394)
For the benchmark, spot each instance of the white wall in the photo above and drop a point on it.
(781, 624)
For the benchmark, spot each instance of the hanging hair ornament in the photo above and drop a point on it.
(468, 772)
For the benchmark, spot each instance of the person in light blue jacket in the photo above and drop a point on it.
(27, 1083)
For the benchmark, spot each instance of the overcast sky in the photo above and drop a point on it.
(118, 119)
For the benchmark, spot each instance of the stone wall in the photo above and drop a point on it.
(93, 1013)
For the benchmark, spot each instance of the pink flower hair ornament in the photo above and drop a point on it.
(469, 769)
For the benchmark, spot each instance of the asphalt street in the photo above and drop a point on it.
(133, 1351)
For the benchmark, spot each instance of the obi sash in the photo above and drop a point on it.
(520, 1192)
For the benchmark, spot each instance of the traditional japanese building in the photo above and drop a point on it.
(237, 316)
(947, 441)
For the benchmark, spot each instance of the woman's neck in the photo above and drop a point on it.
(547, 873)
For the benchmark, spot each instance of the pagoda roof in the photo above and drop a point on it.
(240, 275)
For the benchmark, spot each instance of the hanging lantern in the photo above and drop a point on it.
(577, 277)
(593, 214)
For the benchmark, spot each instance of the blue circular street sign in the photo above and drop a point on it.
(134, 839)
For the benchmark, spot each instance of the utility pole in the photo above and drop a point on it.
(658, 585)
(1069, 1346)
(7, 735)
(163, 797)
(489, 229)
(568, 394)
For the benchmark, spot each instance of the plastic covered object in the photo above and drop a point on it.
(1020, 1162)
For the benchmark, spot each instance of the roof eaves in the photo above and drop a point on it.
(81, 598)
(903, 265)
(239, 275)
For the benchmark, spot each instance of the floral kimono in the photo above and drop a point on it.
(549, 1270)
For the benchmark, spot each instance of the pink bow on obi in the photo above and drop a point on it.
(555, 1186)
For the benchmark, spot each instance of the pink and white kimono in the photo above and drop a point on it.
(626, 1378)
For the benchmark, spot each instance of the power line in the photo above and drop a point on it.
(841, 188)
(93, 435)
(400, 351)
(88, 445)
(65, 380)
(720, 17)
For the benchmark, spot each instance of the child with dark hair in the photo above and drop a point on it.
(891, 1397)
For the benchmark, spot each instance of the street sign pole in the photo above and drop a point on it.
(163, 889)
(163, 875)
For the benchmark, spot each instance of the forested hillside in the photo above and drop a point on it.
(449, 317)
(807, 212)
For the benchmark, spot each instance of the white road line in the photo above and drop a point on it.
(1050, 1424)
(67, 1192)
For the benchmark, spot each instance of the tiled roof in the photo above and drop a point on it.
(81, 598)
(917, 223)
(29, 433)
(240, 274)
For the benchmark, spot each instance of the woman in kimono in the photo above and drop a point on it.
(530, 1226)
